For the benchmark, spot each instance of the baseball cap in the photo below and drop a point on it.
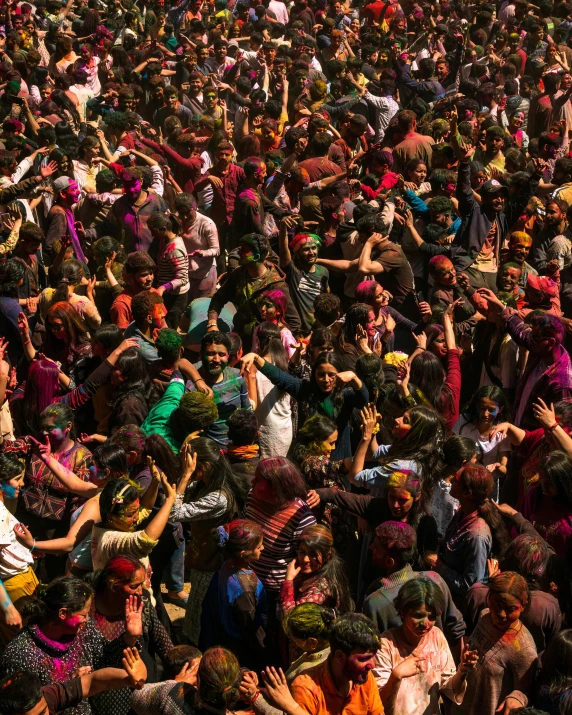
(543, 284)
(492, 186)
(62, 184)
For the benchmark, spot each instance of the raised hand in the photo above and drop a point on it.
(188, 673)
(133, 616)
(23, 326)
(469, 659)
(155, 473)
(48, 170)
(312, 499)
(544, 414)
(368, 421)
(421, 340)
(189, 460)
(44, 449)
(292, 570)
(134, 667)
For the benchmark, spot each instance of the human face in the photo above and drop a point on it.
(308, 253)
(132, 189)
(370, 325)
(308, 561)
(326, 377)
(144, 278)
(401, 426)
(566, 81)
(158, 316)
(329, 444)
(73, 193)
(215, 359)
(85, 54)
(71, 623)
(419, 174)
(447, 274)
(203, 55)
(400, 502)
(548, 488)
(380, 554)
(127, 518)
(260, 174)
(56, 328)
(195, 86)
(518, 120)
(504, 610)
(31, 247)
(224, 157)
(553, 215)
(519, 249)
(221, 53)
(417, 622)
(357, 665)
(211, 100)
(441, 70)
(494, 144)
(246, 254)
(540, 345)
(268, 311)
(172, 101)
(254, 555)
(135, 585)
(509, 279)
(496, 201)
(488, 410)
(11, 488)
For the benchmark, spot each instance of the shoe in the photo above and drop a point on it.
(175, 601)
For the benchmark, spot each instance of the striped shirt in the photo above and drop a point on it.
(173, 266)
(281, 530)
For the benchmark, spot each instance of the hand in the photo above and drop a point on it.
(544, 414)
(90, 288)
(155, 473)
(469, 659)
(24, 535)
(109, 261)
(425, 310)
(409, 218)
(504, 509)
(43, 449)
(492, 568)
(188, 460)
(368, 421)
(501, 428)
(421, 340)
(390, 323)
(362, 340)
(169, 489)
(32, 305)
(312, 499)
(451, 307)
(463, 281)
(375, 239)
(188, 673)
(403, 376)
(81, 671)
(465, 152)
(23, 326)
(48, 170)
(79, 229)
(288, 222)
(249, 685)
(133, 616)
(216, 182)
(246, 362)
(408, 667)
(491, 467)
(539, 167)
(344, 378)
(507, 705)
(134, 667)
(292, 570)
(489, 296)
(13, 618)
(3, 348)
(127, 344)
(277, 688)
(88, 438)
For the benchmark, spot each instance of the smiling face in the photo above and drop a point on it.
(356, 666)
(308, 561)
(11, 488)
(71, 622)
(308, 253)
(72, 193)
(504, 610)
(509, 279)
(329, 444)
(215, 359)
(134, 587)
(419, 174)
(126, 518)
(519, 248)
(268, 311)
(417, 622)
(401, 426)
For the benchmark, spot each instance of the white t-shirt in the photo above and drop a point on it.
(489, 451)
(14, 558)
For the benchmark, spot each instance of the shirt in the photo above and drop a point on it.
(61, 696)
(305, 287)
(314, 690)
(14, 557)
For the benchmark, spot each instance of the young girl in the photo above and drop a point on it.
(72, 276)
(271, 404)
(273, 306)
(415, 175)
(414, 662)
(235, 608)
(487, 408)
(503, 678)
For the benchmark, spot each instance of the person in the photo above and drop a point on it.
(138, 274)
(503, 677)
(552, 691)
(346, 677)
(414, 657)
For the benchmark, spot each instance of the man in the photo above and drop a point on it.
(412, 144)
(149, 313)
(138, 275)
(82, 91)
(519, 245)
(228, 387)
(427, 87)
(200, 236)
(319, 166)
(245, 285)
(389, 264)
(548, 372)
(22, 693)
(545, 106)
(194, 99)
(381, 95)
(394, 550)
(343, 683)
(493, 153)
(172, 108)
(220, 62)
(306, 280)
(61, 222)
(553, 240)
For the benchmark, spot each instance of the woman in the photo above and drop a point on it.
(514, 126)
(503, 678)
(273, 305)
(60, 636)
(357, 335)
(487, 408)
(301, 361)
(414, 663)
(457, 452)
(475, 532)
(120, 580)
(134, 391)
(271, 404)
(72, 275)
(415, 175)
(553, 688)
(331, 391)
(208, 494)
(317, 574)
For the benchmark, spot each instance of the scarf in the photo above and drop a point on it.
(77, 249)
(244, 453)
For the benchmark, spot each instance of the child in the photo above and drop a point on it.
(235, 609)
(272, 306)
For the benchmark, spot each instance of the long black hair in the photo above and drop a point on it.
(11, 273)
(555, 677)
(311, 397)
(218, 473)
(270, 343)
(133, 366)
(315, 430)
(71, 274)
(492, 393)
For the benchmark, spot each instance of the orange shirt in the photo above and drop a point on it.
(314, 690)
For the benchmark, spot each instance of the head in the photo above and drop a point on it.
(196, 413)
(215, 350)
(139, 271)
(327, 309)
(177, 658)
(325, 372)
(354, 641)
(394, 546)
(442, 271)
(555, 477)
(109, 462)
(508, 598)
(277, 481)
(317, 436)
(555, 212)
(488, 405)
(509, 276)
(242, 540)
(119, 505)
(403, 494)
(219, 678)
(547, 333)
(272, 306)
(416, 171)
(472, 483)
(56, 423)
(315, 548)
(11, 476)
(132, 184)
(520, 244)
(64, 604)
(148, 310)
(255, 170)
(121, 577)
(458, 451)
(254, 248)
(419, 603)
(528, 556)
(308, 626)
(305, 247)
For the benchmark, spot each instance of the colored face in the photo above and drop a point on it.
(505, 610)
(132, 189)
(400, 502)
(357, 666)
(247, 255)
(509, 279)
(519, 249)
(307, 560)
(326, 376)
(370, 326)
(308, 253)
(446, 273)
(539, 344)
(73, 192)
(401, 426)
(55, 432)
(262, 490)
(488, 410)
(72, 622)
(11, 488)
(379, 553)
(126, 518)
(438, 346)
(215, 359)
(417, 622)
(135, 585)
(85, 53)
(224, 158)
(494, 144)
(158, 314)
(172, 101)
(268, 311)
(329, 444)
(518, 120)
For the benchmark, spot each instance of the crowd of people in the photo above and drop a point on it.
(285, 320)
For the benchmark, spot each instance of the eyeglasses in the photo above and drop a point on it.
(55, 327)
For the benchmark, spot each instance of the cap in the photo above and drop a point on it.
(62, 184)
(542, 284)
(492, 186)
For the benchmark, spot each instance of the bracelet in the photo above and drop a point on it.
(33, 545)
(28, 342)
(199, 380)
(254, 699)
(554, 426)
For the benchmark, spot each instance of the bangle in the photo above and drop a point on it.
(33, 545)
(254, 699)
(199, 380)
(554, 426)
(28, 342)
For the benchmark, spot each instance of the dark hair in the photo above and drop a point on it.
(219, 678)
(215, 338)
(420, 591)
(428, 375)
(138, 260)
(20, 692)
(283, 477)
(112, 457)
(400, 540)
(555, 677)
(354, 631)
(492, 393)
(327, 308)
(142, 305)
(556, 467)
(12, 272)
(528, 556)
(270, 343)
(75, 329)
(63, 592)
(10, 467)
(107, 499)
(457, 451)
(176, 658)
(311, 434)
(218, 474)
(133, 367)
(242, 428)
(119, 570)
(511, 583)
(195, 412)
(241, 535)
(357, 315)
(71, 274)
